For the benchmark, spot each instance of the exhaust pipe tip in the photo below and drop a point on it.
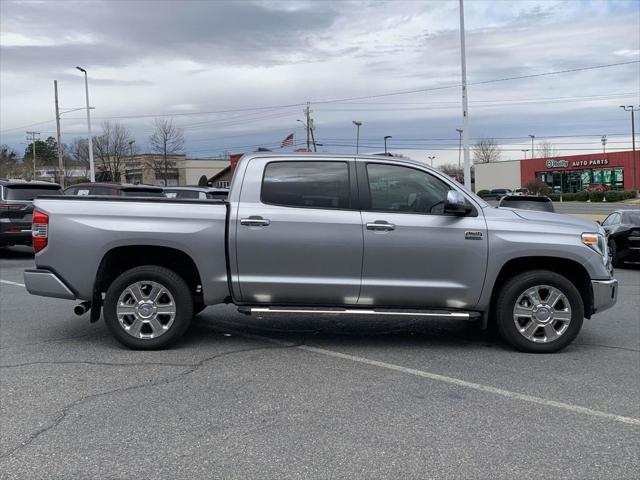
(82, 308)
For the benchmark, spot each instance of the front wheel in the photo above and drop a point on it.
(539, 312)
(148, 307)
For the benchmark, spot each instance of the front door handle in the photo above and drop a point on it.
(254, 221)
(381, 226)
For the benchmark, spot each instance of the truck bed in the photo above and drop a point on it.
(82, 230)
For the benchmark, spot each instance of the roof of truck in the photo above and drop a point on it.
(338, 156)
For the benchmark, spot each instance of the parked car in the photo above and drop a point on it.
(319, 233)
(201, 193)
(521, 191)
(527, 202)
(16, 208)
(623, 236)
(114, 189)
(497, 194)
(597, 187)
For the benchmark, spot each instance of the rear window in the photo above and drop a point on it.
(307, 184)
(142, 193)
(29, 193)
(542, 205)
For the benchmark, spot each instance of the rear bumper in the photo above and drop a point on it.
(46, 284)
(605, 294)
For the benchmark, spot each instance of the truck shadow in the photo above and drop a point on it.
(351, 329)
(15, 253)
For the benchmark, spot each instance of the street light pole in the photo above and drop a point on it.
(634, 160)
(604, 143)
(465, 105)
(92, 169)
(459, 130)
(525, 152)
(432, 158)
(358, 124)
(532, 150)
(385, 142)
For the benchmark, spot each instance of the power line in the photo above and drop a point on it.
(364, 97)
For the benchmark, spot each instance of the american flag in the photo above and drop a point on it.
(288, 141)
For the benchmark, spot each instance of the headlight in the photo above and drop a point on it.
(596, 242)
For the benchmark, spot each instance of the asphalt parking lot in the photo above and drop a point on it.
(313, 397)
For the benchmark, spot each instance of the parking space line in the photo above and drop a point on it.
(12, 283)
(451, 380)
(475, 386)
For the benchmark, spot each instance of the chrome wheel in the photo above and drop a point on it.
(146, 309)
(542, 314)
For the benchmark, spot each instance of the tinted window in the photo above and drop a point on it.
(307, 184)
(514, 202)
(102, 191)
(401, 189)
(188, 194)
(631, 217)
(29, 193)
(142, 193)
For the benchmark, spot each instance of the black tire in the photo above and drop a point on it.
(181, 297)
(510, 293)
(616, 258)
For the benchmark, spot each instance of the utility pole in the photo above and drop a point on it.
(465, 105)
(60, 160)
(33, 140)
(532, 150)
(459, 130)
(307, 113)
(604, 143)
(313, 138)
(634, 160)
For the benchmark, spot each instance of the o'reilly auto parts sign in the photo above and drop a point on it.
(576, 163)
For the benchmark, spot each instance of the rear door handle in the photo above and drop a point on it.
(381, 226)
(254, 221)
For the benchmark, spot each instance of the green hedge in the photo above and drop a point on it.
(596, 196)
(555, 197)
(482, 192)
(582, 196)
(568, 197)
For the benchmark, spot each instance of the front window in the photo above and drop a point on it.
(396, 188)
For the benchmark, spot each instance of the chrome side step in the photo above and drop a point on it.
(360, 311)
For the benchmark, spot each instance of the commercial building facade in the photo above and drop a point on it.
(566, 174)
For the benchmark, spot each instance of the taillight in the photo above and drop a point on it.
(40, 230)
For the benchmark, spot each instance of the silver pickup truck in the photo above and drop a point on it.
(333, 234)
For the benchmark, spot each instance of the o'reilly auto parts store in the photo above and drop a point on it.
(566, 174)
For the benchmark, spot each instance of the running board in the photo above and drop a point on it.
(360, 311)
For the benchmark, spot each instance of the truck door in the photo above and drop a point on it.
(298, 233)
(415, 254)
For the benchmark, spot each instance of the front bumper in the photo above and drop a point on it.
(46, 284)
(605, 294)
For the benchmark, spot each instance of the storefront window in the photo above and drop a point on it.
(571, 181)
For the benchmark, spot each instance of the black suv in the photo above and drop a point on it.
(16, 208)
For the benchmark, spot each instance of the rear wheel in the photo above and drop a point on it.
(148, 307)
(617, 259)
(539, 312)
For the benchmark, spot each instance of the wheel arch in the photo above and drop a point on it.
(122, 258)
(570, 269)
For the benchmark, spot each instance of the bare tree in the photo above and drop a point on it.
(167, 140)
(112, 149)
(452, 170)
(9, 166)
(537, 187)
(79, 153)
(546, 149)
(486, 150)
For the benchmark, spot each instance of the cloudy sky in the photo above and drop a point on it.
(236, 75)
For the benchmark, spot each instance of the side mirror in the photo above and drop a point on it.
(456, 204)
